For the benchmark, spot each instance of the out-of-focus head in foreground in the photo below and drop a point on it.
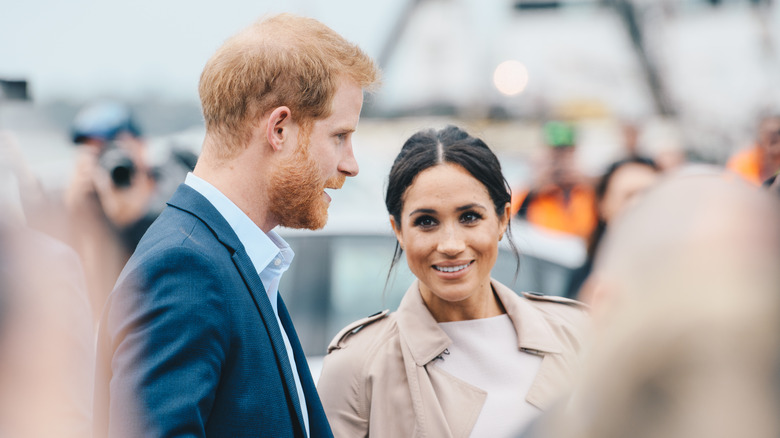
(687, 314)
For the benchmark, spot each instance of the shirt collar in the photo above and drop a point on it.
(262, 248)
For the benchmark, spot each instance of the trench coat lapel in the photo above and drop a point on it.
(423, 341)
(535, 335)
(440, 401)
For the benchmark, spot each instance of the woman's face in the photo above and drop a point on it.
(626, 183)
(450, 232)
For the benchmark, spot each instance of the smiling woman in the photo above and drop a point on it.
(463, 355)
(450, 232)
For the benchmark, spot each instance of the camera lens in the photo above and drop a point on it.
(118, 164)
(122, 174)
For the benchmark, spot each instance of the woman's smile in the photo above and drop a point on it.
(452, 268)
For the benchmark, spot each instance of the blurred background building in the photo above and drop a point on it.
(692, 74)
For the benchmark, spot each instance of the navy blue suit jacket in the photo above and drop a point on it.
(189, 344)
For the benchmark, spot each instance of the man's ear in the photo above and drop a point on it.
(397, 231)
(278, 128)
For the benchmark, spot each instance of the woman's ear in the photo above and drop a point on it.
(505, 220)
(397, 231)
(278, 128)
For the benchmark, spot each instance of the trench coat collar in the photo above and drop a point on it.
(426, 340)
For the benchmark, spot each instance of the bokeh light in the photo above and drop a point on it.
(510, 77)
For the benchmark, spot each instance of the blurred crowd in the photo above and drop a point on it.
(681, 276)
(61, 255)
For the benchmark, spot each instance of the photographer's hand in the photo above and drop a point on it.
(82, 188)
(125, 205)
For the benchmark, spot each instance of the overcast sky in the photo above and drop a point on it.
(81, 49)
(715, 61)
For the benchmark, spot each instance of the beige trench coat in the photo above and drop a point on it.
(376, 379)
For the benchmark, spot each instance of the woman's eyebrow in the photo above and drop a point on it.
(470, 206)
(423, 210)
(458, 209)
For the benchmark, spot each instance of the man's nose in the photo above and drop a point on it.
(348, 164)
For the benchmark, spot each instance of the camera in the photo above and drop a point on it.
(119, 165)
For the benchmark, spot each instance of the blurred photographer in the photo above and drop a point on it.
(111, 197)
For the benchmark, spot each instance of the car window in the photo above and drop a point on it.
(359, 282)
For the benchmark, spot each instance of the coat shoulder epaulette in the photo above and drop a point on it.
(536, 296)
(351, 329)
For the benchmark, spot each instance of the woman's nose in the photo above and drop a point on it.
(451, 242)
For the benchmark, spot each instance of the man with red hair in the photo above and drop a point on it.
(195, 339)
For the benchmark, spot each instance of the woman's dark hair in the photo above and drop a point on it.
(601, 190)
(452, 145)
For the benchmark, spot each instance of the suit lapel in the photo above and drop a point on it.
(252, 279)
(318, 422)
(188, 199)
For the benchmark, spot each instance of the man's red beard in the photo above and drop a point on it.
(296, 192)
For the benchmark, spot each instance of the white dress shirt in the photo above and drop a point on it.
(270, 255)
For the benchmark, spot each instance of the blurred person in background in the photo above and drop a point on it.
(463, 355)
(108, 200)
(115, 193)
(772, 184)
(195, 338)
(560, 198)
(630, 135)
(26, 198)
(762, 160)
(686, 313)
(618, 188)
(46, 335)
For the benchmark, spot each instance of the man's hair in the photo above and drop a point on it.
(283, 60)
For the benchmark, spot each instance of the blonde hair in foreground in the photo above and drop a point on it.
(283, 60)
(690, 346)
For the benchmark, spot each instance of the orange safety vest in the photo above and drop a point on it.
(551, 209)
(747, 164)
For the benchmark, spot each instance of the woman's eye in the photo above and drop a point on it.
(470, 217)
(424, 222)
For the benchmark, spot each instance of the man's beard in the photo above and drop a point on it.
(296, 199)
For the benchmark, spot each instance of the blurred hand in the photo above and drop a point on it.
(121, 205)
(79, 193)
(125, 205)
(12, 159)
(10, 154)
